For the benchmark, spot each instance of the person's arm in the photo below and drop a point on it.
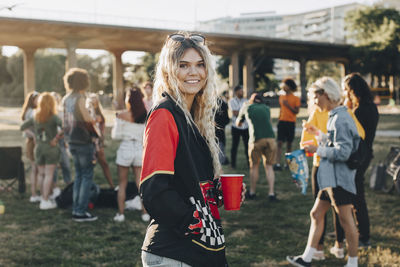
(342, 144)
(294, 109)
(241, 115)
(26, 124)
(84, 111)
(305, 135)
(60, 132)
(161, 200)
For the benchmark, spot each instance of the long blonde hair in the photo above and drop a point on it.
(205, 102)
(46, 107)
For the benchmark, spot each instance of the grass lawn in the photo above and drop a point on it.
(260, 234)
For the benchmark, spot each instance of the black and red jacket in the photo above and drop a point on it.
(178, 191)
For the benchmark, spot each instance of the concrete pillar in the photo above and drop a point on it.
(345, 69)
(29, 69)
(118, 84)
(248, 76)
(303, 79)
(71, 61)
(234, 70)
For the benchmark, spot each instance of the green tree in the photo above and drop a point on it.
(376, 31)
(12, 92)
(49, 71)
(100, 71)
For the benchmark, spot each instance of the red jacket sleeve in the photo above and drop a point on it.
(161, 139)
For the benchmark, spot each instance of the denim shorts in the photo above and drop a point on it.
(129, 153)
(152, 260)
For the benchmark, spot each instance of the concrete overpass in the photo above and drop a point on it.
(30, 35)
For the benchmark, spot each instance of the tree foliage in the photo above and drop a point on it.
(376, 31)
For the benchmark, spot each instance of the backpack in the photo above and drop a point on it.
(358, 157)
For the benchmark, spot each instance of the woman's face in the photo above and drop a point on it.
(349, 94)
(321, 99)
(191, 72)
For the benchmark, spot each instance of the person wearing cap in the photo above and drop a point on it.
(235, 104)
(335, 179)
(261, 142)
(290, 107)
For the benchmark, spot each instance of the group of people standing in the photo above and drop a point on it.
(76, 129)
(342, 119)
(179, 161)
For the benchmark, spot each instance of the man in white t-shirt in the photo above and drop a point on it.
(238, 131)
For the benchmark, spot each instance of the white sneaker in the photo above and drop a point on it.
(145, 217)
(119, 217)
(133, 204)
(56, 193)
(34, 199)
(338, 252)
(318, 255)
(47, 204)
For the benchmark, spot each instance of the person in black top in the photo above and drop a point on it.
(180, 160)
(221, 120)
(360, 100)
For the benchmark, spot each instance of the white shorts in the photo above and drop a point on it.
(130, 153)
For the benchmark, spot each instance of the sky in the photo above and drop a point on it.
(156, 12)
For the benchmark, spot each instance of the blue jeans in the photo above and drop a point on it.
(152, 260)
(64, 162)
(83, 161)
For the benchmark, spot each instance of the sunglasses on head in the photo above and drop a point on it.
(195, 37)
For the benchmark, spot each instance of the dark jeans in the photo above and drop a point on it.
(236, 134)
(360, 205)
(83, 160)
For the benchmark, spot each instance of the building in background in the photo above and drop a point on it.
(322, 25)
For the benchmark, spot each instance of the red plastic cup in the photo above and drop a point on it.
(232, 190)
(306, 143)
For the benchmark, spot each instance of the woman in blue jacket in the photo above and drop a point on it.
(335, 179)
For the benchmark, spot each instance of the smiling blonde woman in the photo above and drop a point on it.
(180, 159)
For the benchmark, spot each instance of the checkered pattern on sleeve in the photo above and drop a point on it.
(211, 233)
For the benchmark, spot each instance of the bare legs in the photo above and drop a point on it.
(317, 215)
(123, 182)
(101, 157)
(254, 176)
(34, 178)
(270, 175)
(46, 173)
